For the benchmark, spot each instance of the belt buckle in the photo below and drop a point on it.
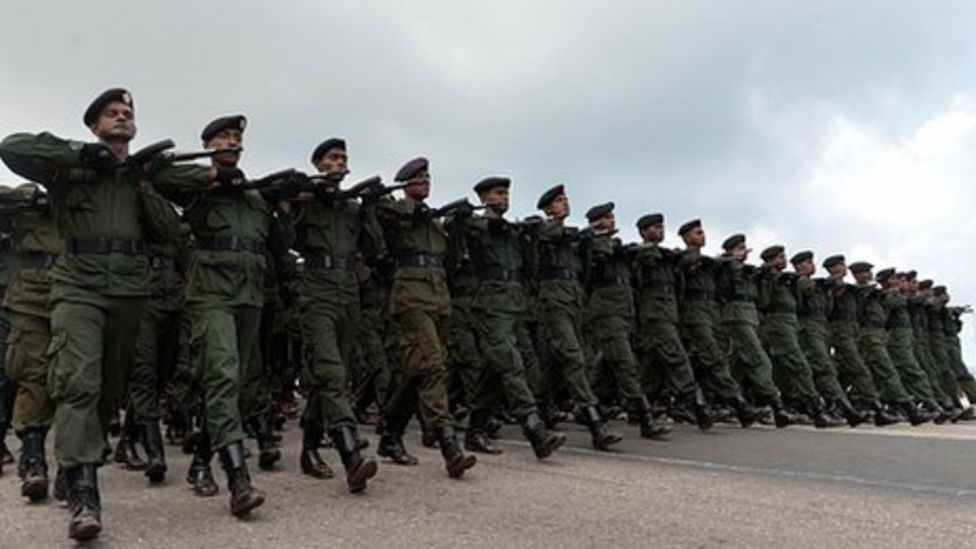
(114, 245)
(233, 243)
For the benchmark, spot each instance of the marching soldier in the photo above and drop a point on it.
(700, 322)
(331, 233)
(812, 307)
(419, 302)
(499, 303)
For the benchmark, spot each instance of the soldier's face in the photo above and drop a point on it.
(779, 262)
(804, 267)
(117, 122)
(334, 161)
(740, 252)
(863, 277)
(227, 139)
(419, 186)
(653, 233)
(607, 222)
(695, 238)
(838, 270)
(559, 207)
(496, 199)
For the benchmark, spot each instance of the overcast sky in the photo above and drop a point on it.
(838, 126)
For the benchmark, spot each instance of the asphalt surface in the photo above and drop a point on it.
(798, 487)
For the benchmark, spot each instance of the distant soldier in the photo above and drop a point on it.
(700, 323)
(813, 306)
(917, 303)
(781, 329)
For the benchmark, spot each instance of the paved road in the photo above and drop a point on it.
(896, 487)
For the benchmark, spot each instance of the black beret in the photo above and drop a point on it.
(95, 109)
(800, 257)
(859, 266)
(884, 274)
(326, 146)
(771, 252)
(693, 224)
(925, 284)
(650, 219)
(550, 195)
(733, 241)
(232, 122)
(491, 182)
(939, 290)
(911, 275)
(410, 170)
(598, 211)
(833, 260)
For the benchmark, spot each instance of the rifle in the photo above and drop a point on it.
(151, 156)
(12, 200)
(460, 205)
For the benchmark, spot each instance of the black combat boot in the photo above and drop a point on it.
(916, 416)
(243, 496)
(391, 442)
(747, 413)
(84, 503)
(269, 452)
(358, 469)
(781, 416)
(60, 485)
(35, 483)
(853, 416)
(649, 428)
(821, 418)
(177, 427)
(881, 415)
(699, 404)
(200, 474)
(601, 438)
(942, 414)
(152, 440)
(476, 438)
(455, 460)
(126, 452)
(311, 460)
(543, 442)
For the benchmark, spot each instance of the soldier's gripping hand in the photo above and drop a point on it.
(421, 212)
(98, 156)
(229, 178)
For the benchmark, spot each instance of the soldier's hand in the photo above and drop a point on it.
(98, 156)
(229, 177)
(421, 212)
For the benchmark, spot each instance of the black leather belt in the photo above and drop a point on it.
(327, 261)
(612, 281)
(37, 260)
(555, 273)
(105, 246)
(697, 295)
(420, 260)
(505, 275)
(162, 263)
(231, 244)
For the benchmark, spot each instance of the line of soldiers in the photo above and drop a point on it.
(172, 290)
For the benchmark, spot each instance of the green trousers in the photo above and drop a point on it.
(851, 368)
(872, 343)
(420, 375)
(92, 342)
(562, 357)
(815, 342)
(663, 360)
(27, 368)
(963, 376)
(749, 361)
(503, 374)
(156, 355)
(373, 380)
(782, 336)
(328, 333)
(614, 363)
(912, 375)
(461, 340)
(225, 342)
(710, 362)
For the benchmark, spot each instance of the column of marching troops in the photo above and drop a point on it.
(175, 291)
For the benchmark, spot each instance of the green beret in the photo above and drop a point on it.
(232, 122)
(911, 275)
(693, 224)
(648, 220)
(411, 169)
(733, 241)
(884, 274)
(550, 195)
(492, 182)
(95, 109)
(326, 146)
(800, 257)
(859, 266)
(771, 252)
(596, 212)
(833, 260)
(925, 284)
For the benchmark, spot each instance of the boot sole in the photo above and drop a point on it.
(85, 532)
(457, 468)
(356, 479)
(244, 509)
(267, 461)
(554, 444)
(156, 473)
(34, 490)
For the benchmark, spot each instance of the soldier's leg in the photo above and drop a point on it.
(27, 368)
(8, 389)
(667, 353)
(885, 376)
(852, 368)
(747, 352)
(525, 342)
(713, 363)
(255, 394)
(963, 377)
(913, 377)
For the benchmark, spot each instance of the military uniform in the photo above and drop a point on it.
(8, 389)
(37, 244)
(953, 326)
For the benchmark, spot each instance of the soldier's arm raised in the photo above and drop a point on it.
(39, 157)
